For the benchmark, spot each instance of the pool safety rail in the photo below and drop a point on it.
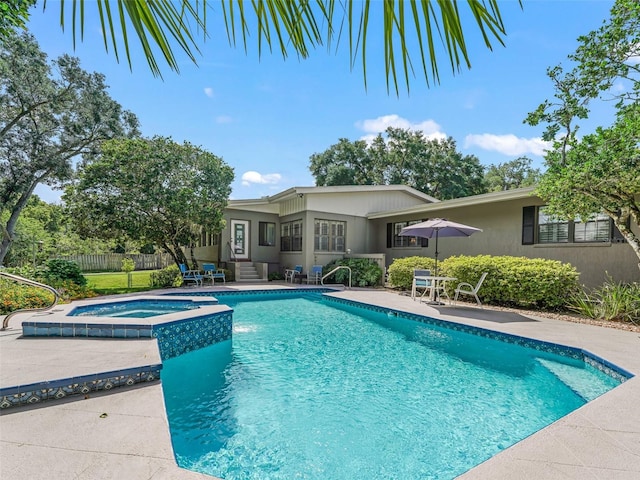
(32, 283)
(335, 270)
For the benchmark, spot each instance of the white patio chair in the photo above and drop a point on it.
(190, 275)
(211, 272)
(468, 289)
(315, 275)
(419, 283)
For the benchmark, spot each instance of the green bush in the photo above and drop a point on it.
(57, 270)
(511, 281)
(364, 272)
(14, 296)
(275, 276)
(167, 277)
(401, 270)
(611, 301)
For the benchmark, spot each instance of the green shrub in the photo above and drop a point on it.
(401, 270)
(611, 301)
(57, 269)
(275, 276)
(15, 296)
(516, 281)
(511, 281)
(364, 272)
(167, 277)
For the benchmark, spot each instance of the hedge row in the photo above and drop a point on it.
(515, 281)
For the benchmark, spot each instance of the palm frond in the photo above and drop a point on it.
(299, 27)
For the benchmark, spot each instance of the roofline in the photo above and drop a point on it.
(485, 198)
(295, 191)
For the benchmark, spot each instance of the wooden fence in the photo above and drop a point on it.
(112, 262)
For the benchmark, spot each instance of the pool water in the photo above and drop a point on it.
(307, 390)
(144, 308)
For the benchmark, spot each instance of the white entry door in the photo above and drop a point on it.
(240, 239)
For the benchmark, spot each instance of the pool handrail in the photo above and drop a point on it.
(33, 283)
(334, 270)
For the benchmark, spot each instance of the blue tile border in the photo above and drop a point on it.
(608, 368)
(62, 388)
(186, 335)
(93, 330)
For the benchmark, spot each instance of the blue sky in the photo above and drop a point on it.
(266, 116)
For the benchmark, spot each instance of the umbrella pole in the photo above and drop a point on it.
(437, 231)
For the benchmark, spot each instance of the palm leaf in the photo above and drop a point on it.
(301, 26)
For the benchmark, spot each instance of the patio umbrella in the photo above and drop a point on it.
(438, 227)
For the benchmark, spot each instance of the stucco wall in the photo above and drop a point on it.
(502, 235)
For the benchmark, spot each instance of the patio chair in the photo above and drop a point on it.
(468, 289)
(190, 275)
(315, 275)
(291, 274)
(210, 271)
(420, 283)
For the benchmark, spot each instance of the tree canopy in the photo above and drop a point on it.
(151, 190)
(414, 34)
(601, 171)
(516, 173)
(50, 113)
(406, 157)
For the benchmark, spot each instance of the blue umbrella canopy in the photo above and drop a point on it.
(438, 227)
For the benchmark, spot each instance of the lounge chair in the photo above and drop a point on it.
(468, 289)
(419, 283)
(291, 274)
(190, 275)
(315, 275)
(210, 271)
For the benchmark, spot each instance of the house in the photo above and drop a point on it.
(316, 225)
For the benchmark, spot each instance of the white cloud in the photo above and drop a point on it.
(263, 179)
(224, 119)
(508, 144)
(374, 126)
(208, 91)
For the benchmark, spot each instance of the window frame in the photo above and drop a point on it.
(329, 240)
(263, 234)
(292, 240)
(563, 232)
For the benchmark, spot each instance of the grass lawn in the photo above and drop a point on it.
(116, 282)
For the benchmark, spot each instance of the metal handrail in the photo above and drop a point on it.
(335, 270)
(231, 251)
(33, 283)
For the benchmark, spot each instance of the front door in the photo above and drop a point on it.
(240, 239)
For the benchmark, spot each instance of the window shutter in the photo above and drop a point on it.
(389, 235)
(528, 225)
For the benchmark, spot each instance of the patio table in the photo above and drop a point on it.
(438, 284)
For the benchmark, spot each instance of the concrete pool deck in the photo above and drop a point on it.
(124, 433)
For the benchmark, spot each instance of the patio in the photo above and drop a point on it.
(124, 434)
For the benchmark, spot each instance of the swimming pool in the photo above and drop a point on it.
(142, 308)
(310, 388)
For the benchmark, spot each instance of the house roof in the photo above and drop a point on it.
(493, 197)
(296, 191)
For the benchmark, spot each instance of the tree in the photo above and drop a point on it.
(13, 14)
(299, 27)
(150, 190)
(46, 121)
(513, 174)
(601, 171)
(404, 157)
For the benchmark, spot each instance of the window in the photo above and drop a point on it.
(291, 236)
(266, 234)
(551, 229)
(207, 239)
(394, 239)
(539, 226)
(328, 235)
(596, 229)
